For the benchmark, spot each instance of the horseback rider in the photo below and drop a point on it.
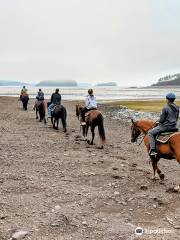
(90, 104)
(167, 122)
(55, 100)
(39, 98)
(40, 95)
(23, 92)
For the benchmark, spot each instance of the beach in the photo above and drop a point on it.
(55, 186)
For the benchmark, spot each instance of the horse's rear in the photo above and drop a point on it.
(42, 111)
(25, 100)
(94, 118)
(59, 113)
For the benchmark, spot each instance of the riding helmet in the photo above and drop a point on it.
(171, 96)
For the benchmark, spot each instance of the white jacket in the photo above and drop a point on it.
(90, 102)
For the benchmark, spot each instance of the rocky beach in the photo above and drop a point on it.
(54, 186)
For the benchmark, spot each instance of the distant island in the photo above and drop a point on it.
(168, 80)
(108, 84)
(57, 83)
(11, 83)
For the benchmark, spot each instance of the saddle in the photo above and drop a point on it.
(165, 136)
(56, 108)
(90, 111)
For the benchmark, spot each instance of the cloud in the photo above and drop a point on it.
(127, 41)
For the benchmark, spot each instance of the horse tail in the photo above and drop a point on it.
(64, 116)
(101, 129)
(42, 110)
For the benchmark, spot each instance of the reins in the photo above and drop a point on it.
(145, 133)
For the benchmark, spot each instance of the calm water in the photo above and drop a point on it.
(108, 93)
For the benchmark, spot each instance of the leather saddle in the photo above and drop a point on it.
(56, 108)
(165, 136)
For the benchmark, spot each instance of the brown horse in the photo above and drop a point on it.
(93, 118)
(168, 150)
(40, 108)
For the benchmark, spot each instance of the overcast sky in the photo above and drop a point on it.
(133, 42)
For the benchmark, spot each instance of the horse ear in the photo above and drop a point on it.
(132, 120)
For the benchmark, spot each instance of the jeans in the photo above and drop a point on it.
(152, 133)
(50, 109)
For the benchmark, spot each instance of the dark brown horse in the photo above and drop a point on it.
(40, 108)
(168, 150)
(93, 118)
(24, 99)
(59, 112)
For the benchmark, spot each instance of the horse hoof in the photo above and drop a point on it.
(88, 141)
(161, 175)
(36, 117)
(153, 178)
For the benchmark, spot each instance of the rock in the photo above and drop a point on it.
(57, 208)
(176, 189)
(144, 187)
(116, 193)
(116, 176)
(19, 235)
(177, 226)
(84, 223)
(115, 168)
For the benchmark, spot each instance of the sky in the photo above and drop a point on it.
(131, 42)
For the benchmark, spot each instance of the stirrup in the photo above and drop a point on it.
(152, 153)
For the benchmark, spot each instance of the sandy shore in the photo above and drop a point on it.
(56, 186)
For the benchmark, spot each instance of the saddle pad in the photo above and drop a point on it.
(164, 137)
(90, 111)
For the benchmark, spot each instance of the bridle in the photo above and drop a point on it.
(143, 133)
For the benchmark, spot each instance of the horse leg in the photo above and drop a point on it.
(154, 165)
(63, 120)
(161, 175)
(93, 134)
(36, 113)
(57, 120)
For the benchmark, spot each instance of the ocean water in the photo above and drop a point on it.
(102, 94)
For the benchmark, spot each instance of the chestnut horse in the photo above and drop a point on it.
(168, 150)
(41, 109)
(93, 118)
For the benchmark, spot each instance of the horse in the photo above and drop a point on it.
(168, 150)
(40, 108)
(59, 112)
(24, 99)
(93, 118)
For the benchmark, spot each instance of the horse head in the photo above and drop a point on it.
(78, 110)
(135, 131)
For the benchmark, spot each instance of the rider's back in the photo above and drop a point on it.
(169, 116)
(56, 98)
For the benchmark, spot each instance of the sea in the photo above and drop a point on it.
(102, 94)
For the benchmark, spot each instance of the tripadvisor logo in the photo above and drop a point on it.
(139, 231)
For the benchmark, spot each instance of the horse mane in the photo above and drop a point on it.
(144, 124)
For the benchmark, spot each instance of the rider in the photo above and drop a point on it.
(167, 122)
(23, 92)
(55, 100)
(90, 104)
(40, 95)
